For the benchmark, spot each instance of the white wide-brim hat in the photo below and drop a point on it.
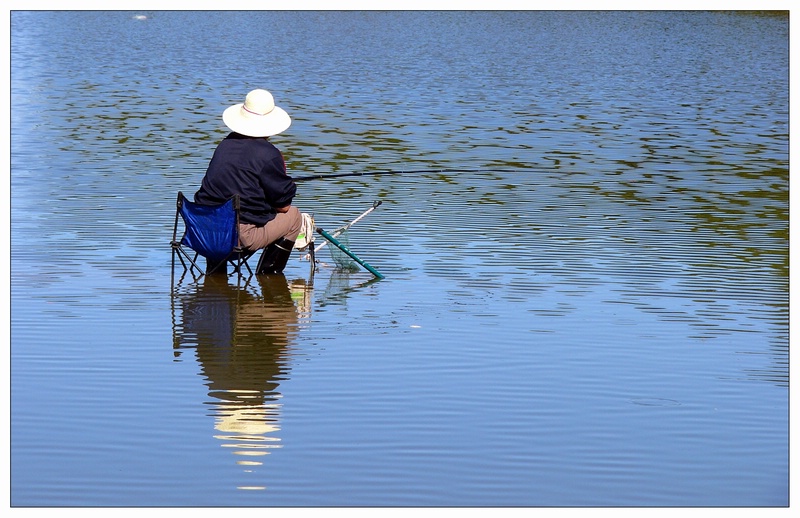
(257, 116)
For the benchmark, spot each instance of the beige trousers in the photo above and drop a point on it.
(286, 224)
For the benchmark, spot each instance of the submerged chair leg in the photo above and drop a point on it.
(313, 260)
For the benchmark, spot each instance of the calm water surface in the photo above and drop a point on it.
(586, 293)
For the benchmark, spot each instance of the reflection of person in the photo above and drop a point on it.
(248, 164)
(241, 340)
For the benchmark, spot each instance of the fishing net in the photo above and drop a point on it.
(342, 260)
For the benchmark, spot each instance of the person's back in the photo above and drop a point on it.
(253, 168)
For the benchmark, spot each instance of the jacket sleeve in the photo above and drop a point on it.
(279, 188)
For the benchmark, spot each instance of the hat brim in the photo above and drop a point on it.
(276, 121)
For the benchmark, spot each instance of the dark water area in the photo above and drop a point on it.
(586, 299)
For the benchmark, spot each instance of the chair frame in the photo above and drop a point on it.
(237, 257)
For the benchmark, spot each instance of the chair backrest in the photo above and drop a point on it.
(211, 230)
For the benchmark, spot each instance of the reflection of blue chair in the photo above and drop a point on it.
(211, 231)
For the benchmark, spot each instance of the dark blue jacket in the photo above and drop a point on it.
(252, 168)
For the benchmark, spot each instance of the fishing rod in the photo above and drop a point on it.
(376, 173)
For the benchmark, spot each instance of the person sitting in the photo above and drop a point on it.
(248, 164)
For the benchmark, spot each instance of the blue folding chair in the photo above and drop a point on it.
(211, 231)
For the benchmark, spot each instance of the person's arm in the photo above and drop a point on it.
(279, 188)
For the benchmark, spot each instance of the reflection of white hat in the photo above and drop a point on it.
(257, 116)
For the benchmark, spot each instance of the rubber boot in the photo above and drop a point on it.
(275, 257)
(216, 267)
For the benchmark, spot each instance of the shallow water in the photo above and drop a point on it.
(586, 261)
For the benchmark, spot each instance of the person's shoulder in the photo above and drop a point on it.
(253, 146)
(267, 146)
